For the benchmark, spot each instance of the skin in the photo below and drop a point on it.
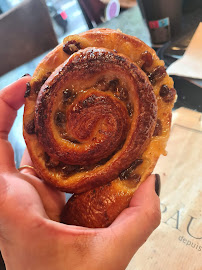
(31, 236)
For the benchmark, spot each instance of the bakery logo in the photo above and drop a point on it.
(174, 220)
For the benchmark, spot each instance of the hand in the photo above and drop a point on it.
(31, 236)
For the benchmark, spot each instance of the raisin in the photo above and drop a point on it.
(67, 93)
(69, 96)
(129, 172)
(68, 169)
(130, 109)
(60, 118)
(164, 90)
(46, 157)
(147, 58)
(136, 163)
(167, 94)
(30, 127)
(157, 74)
(37, 84)
(71, 47)
(28, 90)
(113, 84)
(158, 128)
(50, 162)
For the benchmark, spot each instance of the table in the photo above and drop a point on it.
(130, 22)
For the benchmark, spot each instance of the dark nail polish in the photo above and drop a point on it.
(157, 184)
(26, 74)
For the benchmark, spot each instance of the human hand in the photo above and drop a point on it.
(31, 236)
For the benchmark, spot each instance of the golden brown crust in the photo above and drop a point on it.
(97, 207)
(103, 114)
(103, 106)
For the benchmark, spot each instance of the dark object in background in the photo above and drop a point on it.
(191, 5)
(26, 31)
(93, 11)
(163, 18)
(97, 11)
(189, 94)
(61, 21)
(58, 16)
(175, 49)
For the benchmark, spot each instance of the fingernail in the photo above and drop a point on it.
(157, 184)
(26, 74)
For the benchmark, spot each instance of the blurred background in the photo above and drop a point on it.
(36, 26)
(31, 28)
(70, 16)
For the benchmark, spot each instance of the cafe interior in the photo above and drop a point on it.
(29, 29)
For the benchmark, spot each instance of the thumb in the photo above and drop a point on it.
(11, 99)
(135, 224)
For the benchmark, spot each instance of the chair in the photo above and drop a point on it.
(93, 11)
(26, 31)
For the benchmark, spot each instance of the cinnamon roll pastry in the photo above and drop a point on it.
(97, 117)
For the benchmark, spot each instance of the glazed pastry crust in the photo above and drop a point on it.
(102, 174)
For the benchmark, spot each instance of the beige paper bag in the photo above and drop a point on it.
(177, 243)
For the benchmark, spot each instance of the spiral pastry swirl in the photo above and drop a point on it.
(95, 121)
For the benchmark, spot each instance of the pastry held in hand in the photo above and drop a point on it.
(97, 117)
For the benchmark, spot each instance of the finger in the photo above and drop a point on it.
(11, 99)
(135, 224)
(53, 200)
(26, 160)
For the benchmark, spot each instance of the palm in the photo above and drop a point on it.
(24, 194)
(48, 200)
(52, 200)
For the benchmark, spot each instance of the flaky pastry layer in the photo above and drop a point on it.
(97, 117)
